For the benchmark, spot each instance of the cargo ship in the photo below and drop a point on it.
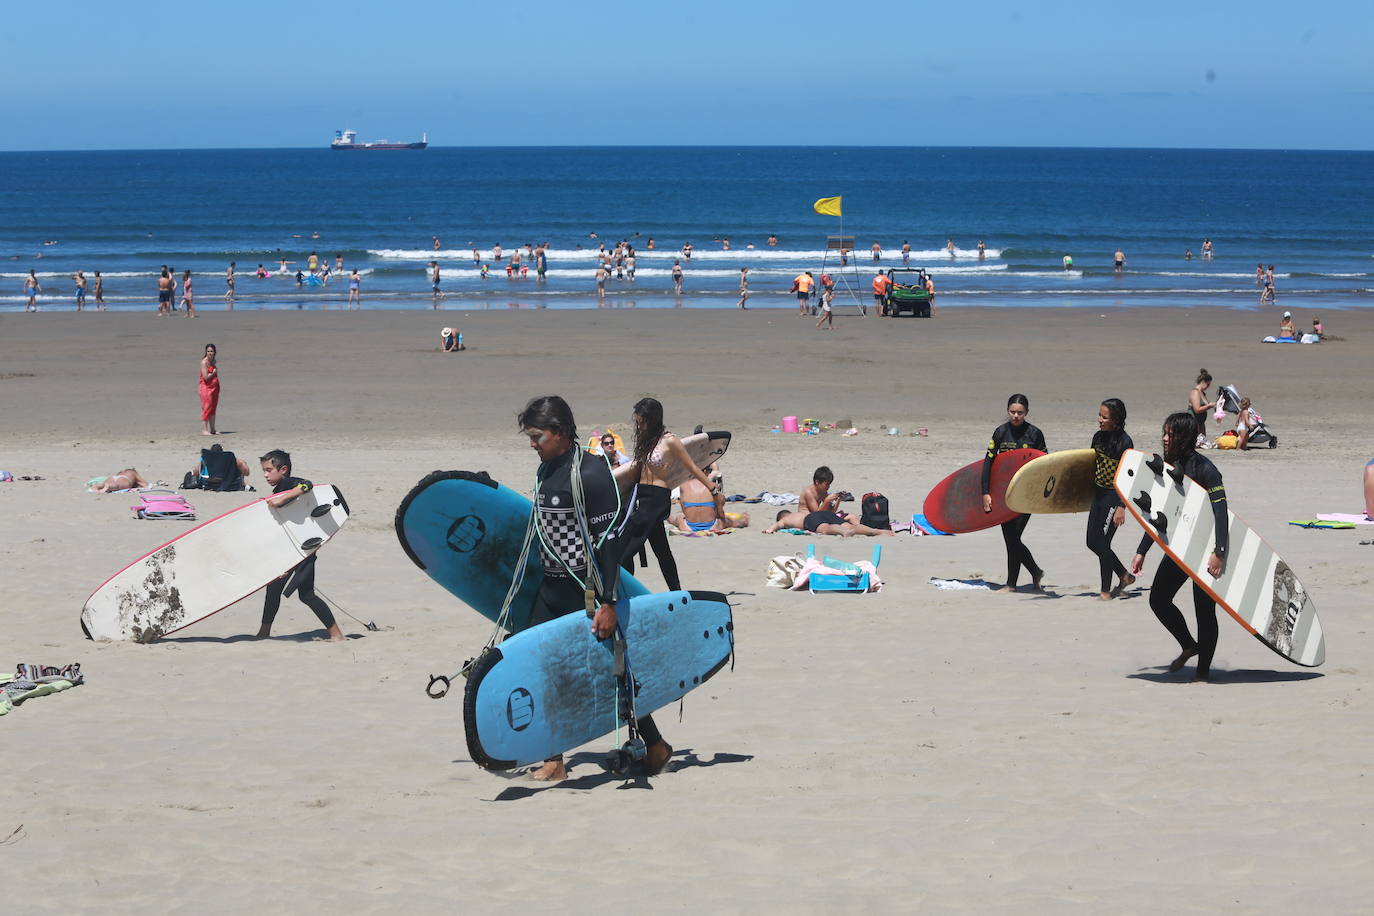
(348, 139)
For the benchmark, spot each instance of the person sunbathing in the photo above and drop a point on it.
(127, 479)
(823, 523)
(703, 509)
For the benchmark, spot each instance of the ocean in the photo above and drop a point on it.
(1311, 214)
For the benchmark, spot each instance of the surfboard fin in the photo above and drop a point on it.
(1176, 475)
(1156, 465)
(1143, 501)
(1160, 522)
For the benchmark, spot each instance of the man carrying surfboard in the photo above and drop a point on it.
(1180, 450)
(276, 468)
(577, 505)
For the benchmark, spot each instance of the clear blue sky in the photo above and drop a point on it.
(158, 74)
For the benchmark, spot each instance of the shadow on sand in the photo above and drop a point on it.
(307, 636)
(1161, 675)
(682, 759)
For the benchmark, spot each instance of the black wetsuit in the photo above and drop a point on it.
(301, 578)
(652, 506)
(1169, 578)
(563, 551)
(1110, 446)
(1008, 438)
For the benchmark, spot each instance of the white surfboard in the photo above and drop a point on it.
(210, 567)
(1256, 587)
(703, 448)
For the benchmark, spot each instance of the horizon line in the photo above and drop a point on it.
(727, 146)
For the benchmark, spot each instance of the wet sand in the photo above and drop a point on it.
(956, 751)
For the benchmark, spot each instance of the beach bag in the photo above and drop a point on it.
(874, 511)
(782, 570)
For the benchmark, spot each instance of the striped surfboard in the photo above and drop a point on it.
(1256, 586)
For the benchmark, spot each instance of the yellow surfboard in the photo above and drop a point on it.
(1059, 482)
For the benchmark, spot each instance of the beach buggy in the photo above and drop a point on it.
(907, 293)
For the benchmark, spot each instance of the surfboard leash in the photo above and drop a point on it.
(369, 625)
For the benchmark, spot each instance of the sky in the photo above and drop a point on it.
(153, 74)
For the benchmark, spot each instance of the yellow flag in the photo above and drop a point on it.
(827, 206)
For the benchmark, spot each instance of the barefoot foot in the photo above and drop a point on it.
(552, 771)
(1182, 660)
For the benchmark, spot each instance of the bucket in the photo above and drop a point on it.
(789, 424)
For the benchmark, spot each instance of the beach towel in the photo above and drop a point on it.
(1321, 523)
(922, 525)
(778, 499)
(1360, 519)
(31, 681)
(962, 585)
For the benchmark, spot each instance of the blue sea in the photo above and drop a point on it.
(1311, 214)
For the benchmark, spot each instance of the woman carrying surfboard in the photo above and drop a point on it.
(1107, 513)
(1180, 449)
(1014, 434)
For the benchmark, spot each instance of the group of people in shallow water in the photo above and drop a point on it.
(1179, 442)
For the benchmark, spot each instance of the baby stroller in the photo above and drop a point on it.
(1260, 435)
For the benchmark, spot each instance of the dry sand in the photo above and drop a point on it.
(915, 749)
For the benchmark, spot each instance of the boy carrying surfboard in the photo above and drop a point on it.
(276, 468)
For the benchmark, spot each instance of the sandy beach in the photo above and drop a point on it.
(915, 749)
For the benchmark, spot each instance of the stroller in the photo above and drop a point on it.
(1260, 434)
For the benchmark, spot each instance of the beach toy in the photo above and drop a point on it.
(922, 431)
(789, 424)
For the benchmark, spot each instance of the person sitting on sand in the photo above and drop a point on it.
(127, 479)
(1287, 329)
(703, 509)
(823, 523)
(817, 497)
(613, 455)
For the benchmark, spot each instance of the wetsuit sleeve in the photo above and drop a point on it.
(603, 508)
(1216, 495)
(987, 464)
(1040, 441)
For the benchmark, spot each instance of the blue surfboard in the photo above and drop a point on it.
(554, 687)
(465, 531)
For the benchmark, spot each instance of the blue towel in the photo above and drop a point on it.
(920, 522)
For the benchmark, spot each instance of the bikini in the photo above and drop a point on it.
(699, 526)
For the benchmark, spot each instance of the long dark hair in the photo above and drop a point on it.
(549, 412)
(1182, 430)
(1019, 399)
(648, 435)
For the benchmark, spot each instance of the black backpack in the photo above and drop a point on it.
(874, 513)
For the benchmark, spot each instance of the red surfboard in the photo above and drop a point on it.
(955, 504)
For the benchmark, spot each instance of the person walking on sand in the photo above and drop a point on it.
(881, 284)
(677, 278)
(276, 468)
(99, 292)
(579, 548)
(355, 292)
(1179, 438)
(743, 287)
(1107, 512)
(31, 289)
(1014, 434)
(827, 316)
(801, 285)
(80, 279)
(209, 390)
(187, 299)
(229, 284)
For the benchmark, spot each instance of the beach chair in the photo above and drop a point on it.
(853, 580)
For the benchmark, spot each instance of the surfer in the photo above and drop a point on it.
(1180, 449)
(276, 467)
(656, 452)
(1107, 513)
(567, 517)
(209, 390)
(1014, 434)
(1198, 405)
